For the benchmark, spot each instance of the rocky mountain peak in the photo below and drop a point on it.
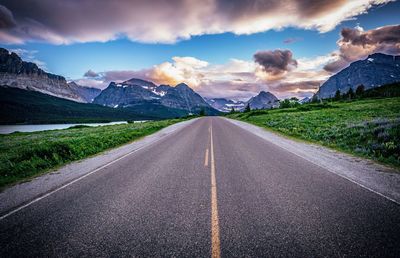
(139, 82)
(265, 94)
(11, 63)
(263, 100)
(180, 97)
(183, 86)
(363, 72)
(28, 76)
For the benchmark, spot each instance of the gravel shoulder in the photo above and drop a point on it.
(377, 178)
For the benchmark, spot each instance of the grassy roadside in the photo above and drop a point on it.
(24, 155)
(366, 128)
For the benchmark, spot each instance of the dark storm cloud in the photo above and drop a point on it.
(69, 21)
(275, 62)
(316, 8)
(91, 74)
(6, 18)
(238, 9)
(383, 35)
(357, 44)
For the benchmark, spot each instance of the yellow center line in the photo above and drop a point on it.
(206, 159)
(215, 241)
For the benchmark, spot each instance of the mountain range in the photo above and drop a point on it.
(374, 71)
(88, 94)
(140, 98)
(225, 105)
(140, 94)
(264, 100)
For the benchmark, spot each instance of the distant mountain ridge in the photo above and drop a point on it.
(87, 93)
(137, 95)
(28, 76)
(374, 71)
(264, 100)
(140, 93)
(225, 105)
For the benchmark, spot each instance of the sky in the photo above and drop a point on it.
(220, 48)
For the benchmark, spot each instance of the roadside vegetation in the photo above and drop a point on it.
(24, 155)
(363, 126)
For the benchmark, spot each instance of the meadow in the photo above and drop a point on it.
(24, 155)
(367, 128)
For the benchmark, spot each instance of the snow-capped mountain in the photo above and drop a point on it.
(225, 105)
(136, 92)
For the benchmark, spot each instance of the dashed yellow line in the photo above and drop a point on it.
(206, 159)
(215, 241)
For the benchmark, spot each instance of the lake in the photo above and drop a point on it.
(6, 129)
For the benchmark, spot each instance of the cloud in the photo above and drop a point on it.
(91, 74)
(6, 18)
(231, 89)
(274, 70)
(292, 40)
(275, 63)
(65, 22)
(293, 77)
(356, 44)
(236, 79)
(301, 86)
(29, 56)
(182, 69)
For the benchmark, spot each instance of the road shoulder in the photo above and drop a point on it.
(20, 194)
(374, 177)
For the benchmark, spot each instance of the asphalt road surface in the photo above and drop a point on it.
(213, 189)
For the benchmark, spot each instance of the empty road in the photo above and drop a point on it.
(211, 189)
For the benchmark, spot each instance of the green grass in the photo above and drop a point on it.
(366, 128)
(24, 155)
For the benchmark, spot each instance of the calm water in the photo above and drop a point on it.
(6, 129)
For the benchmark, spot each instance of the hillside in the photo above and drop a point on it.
(14, 72)
(367, 128)
(376, 70)
(264, 100)
(30, 107)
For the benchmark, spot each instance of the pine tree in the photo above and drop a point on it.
(350, 93)
(202, 112)
(337, 95)
(247, 109)
(360, 90)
